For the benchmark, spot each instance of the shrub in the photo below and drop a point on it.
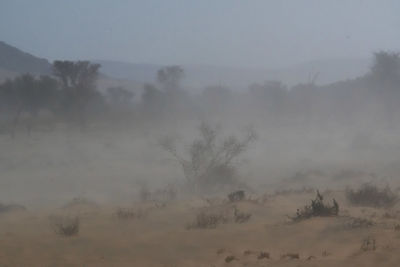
(205, 220)
(240, 217)
(236, 196)
(368, 244)
(263, 255)
(212, 218)
(66, 226)
(128, 214)
(230, 258)
(210, 163)
(371, 196)
(317, 209)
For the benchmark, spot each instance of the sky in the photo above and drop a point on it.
(238, 33)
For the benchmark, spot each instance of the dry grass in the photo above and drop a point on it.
(208, 220)
(372, 196)
(129, 214)
(317, 209)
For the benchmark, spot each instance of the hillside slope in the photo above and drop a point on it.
(14, 60)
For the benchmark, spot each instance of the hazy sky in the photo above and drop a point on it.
(216, 32)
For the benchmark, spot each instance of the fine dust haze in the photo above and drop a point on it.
(199, 133)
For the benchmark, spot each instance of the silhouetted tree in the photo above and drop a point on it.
(30, 95)
(385, 81)
(170, 78)
(386, 68)
(7, 96)
(78, 84)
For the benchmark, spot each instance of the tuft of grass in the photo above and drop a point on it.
(371, 196)
(317, 209)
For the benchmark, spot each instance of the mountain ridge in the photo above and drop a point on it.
(14, 61)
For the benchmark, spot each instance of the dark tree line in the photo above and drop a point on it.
(70, 94)
(66, 94)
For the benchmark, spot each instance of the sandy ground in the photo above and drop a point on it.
(161, 237)
(46, 170)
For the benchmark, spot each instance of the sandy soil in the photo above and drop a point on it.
(161, 238)
(46, 170)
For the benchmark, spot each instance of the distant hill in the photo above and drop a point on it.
(14, 60)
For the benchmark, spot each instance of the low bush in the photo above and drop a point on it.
(317, 209)
(371, 196)
(368, 244)
(236, 196)
(240, 217)
(66, 226)
(207, 220)
(129, 214)
(210, 218)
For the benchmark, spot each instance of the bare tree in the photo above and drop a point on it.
(210, 161)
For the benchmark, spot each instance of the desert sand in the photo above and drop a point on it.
(161, 238)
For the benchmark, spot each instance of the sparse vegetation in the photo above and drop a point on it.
(236, 196)
(290, 256)
(211, 218)
(163, 189)
(371, 196)
(317, 209)
(355, 223)
(368, 244)
(207, 220)
(263, 255)
(66, 226)
(129, 214)
(230, 258)
(159, 196)
(210, 164)
(240, 217)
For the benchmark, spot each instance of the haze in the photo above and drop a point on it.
(219, 133)
(262, 34)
